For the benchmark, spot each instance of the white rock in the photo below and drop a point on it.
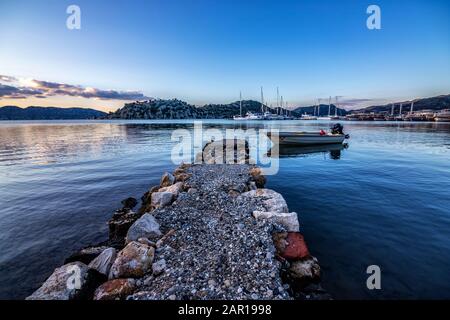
(272, 200)
(104, 261)
(305, 271)
(161, 199)
(71, 281)
(175, 189)
(288, 220)
(144, 227)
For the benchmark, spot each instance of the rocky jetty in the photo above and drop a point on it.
(207, 231)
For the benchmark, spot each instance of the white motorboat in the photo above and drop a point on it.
(308, 117)
(249, 116)
(310, 138)
(443, 116)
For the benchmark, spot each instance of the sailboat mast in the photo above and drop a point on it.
(412, 107)
(278, 98)
(329, 106)
(318, 107)
(240, 103)
(400, 112)
(281, 109)
(262, 100)
(336, 107)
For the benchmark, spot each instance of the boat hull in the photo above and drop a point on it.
(304, 139)
(442, 119)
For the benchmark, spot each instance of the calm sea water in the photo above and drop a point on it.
(383, 200)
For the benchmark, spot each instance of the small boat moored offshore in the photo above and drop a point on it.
(310, 138)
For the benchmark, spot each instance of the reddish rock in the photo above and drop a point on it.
(115, 289)
(133, 261)
(291, 245)
(296, 248)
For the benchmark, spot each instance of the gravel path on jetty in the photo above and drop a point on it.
(218, 250)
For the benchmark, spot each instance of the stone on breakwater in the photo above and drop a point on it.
(133, 261)
(144, 227)
(104, 261)
(147, 200)
(115, 289)
(288, 220)
(175, 189)
(62, 284)
(272, 200)
(304, 272)
(182, 176)
(167, 180)
(159, 266)
(85, 255)
(129, 203)
(120, 223)
(161, 199)
(258, 177)
(290, 245)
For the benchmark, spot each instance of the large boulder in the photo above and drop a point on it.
(167, 180)
(72, 281)
(133, 261)
(175, 189)
(272, 200)
(120, 223)
(115, 289)
(144, 227)
(147, 200)
(162, 199)
(304, 272)
(104, 261)
(290, 245)
(85, 255)
(288, 220)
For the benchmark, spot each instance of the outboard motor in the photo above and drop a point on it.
(339, 129)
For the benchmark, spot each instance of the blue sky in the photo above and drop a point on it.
(207, 51)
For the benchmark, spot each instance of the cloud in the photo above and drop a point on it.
(23, 88)
(7, 78)
(12, 92)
